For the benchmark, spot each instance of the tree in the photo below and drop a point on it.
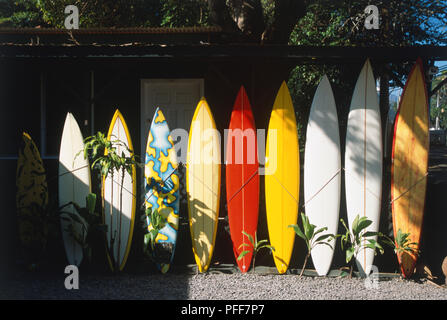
(20, 14)
(180, 13)
(249, 20)
(128, 13)
(339, 23)
(104, 13)
(439, 102)
(270, 21)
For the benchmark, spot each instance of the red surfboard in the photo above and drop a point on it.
(242, 178)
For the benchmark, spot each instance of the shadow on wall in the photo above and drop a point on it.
(433, 244)
(8, 225)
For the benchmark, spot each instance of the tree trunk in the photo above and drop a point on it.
(246, 18)
(220, 15)
(386, 222)
(287, 13)
(384, 98)
(249, 17)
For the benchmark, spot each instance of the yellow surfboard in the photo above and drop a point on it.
(282, 176)
(410, 163)
(203, 183)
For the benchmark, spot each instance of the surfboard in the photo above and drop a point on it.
(363, 159)
(242, 178)
(31, 194)
(162, 182)
(322, 171)
(410, 163)
(203, 184)
(282, 176)
(74, 186)
(120, 224)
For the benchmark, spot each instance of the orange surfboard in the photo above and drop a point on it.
(410, 163)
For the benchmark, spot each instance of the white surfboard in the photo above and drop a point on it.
(363, 159)
(119, 226)
(322, 171)
(74, 185)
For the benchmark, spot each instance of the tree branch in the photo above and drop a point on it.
(287, 13)
(436, 89)
(249, 17)
(220, 16)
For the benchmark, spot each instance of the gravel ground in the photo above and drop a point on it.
(218, 286)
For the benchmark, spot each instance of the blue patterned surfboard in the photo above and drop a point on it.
(161, 181)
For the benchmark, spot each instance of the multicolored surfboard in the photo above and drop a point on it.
(162, 181)
(31, 196)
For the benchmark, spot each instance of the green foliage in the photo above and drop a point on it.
(156, 222)
(98, 13)
(309, 235)
(20, 14)
(38, 226)
(357, 238)
(181, 13)
(83, 222)
(441, 95)
(128, 13)
(341, 23)
(402, 23)
(104, 154)
(254, 246)
(402, 244)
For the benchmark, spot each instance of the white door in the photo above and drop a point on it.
(177, 99)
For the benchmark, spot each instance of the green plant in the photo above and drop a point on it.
(156, 222)
(309, 234)
(254, 246)
(104, 155)
(357, 238)
(88, 221)
(38, 226)
(402, 244)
